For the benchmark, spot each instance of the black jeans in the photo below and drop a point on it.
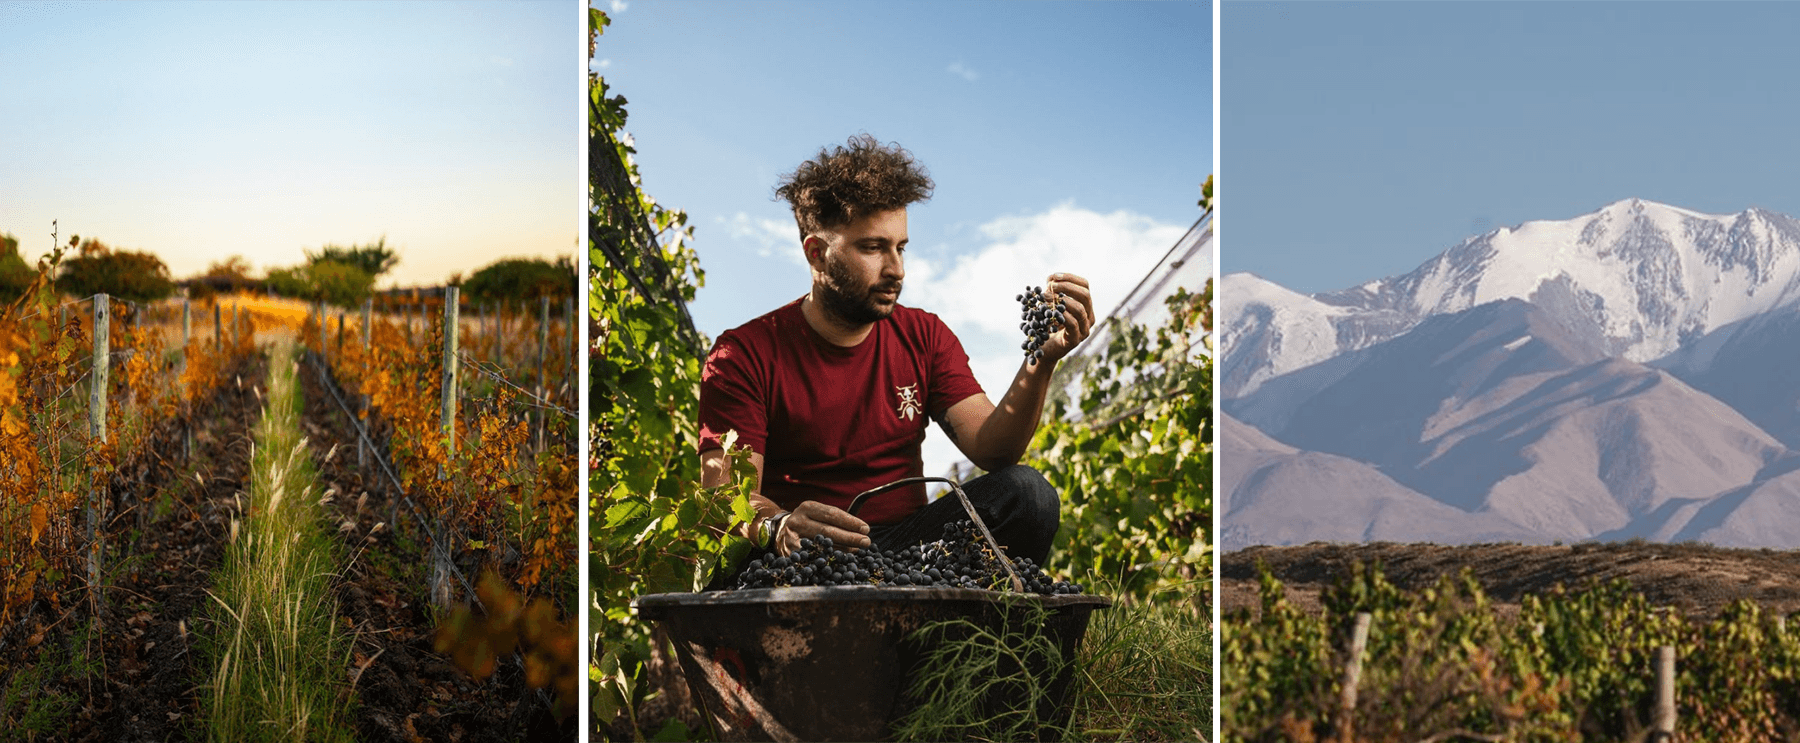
(1018, 505)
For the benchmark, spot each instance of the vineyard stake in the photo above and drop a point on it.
(441, 559)
(1359, 640)
(187, 329)
(340, 340)
(1663, 721)
(451, 365)
(97, 429)
(543, 347)
(362, 444)
(218, 326)
(499, 329)
(137, 332)
(187, 339)
(320, 320)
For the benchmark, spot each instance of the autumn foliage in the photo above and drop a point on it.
(496, 499)
(52, 466)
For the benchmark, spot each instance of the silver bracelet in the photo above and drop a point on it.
(771, 527)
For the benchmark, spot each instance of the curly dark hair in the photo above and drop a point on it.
(844, 184)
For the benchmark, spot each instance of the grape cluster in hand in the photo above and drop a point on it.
(961, 559)
(1039, 319)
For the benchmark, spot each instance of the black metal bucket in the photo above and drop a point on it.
(832, 663)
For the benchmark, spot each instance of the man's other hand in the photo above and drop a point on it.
(813, 518)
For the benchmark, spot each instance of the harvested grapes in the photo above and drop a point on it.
(961, 559)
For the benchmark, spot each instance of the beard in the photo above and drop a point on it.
(840, 297)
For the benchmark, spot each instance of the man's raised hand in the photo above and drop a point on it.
(813, 518)
(1078, 314)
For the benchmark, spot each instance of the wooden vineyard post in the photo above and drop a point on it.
(1359, 639)
(137, 332)
(362, 444)
(499, 329)
(543, 351)
(340, 340)
(440, 574)
(218, 326)
(322, 321)
(97, 429)
(447, 417)
(187, 329)
(187, 340)
(1662, 721)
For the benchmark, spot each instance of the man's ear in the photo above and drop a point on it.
(814, 248)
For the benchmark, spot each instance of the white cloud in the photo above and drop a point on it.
(1112, 251)
(974, 293)
(604, 63)
(958, 68)
(619, 6)
(771, 236)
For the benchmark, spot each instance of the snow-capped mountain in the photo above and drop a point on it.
(1653, 277)
(1630, 372)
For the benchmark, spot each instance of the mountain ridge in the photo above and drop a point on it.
(1598, 377)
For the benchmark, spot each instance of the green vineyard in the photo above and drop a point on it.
(1447, 662)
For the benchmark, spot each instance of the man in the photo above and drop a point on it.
(832, 391)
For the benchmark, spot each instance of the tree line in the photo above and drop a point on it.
(335, 274)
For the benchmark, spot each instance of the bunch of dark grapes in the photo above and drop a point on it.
(961, 559)
(1039, 318)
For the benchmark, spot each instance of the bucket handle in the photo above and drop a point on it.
(856, 504)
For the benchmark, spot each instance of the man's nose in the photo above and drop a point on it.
(894, 266)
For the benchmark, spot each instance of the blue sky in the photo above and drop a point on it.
(1063, 136)
(199, 131)
(1359, 139)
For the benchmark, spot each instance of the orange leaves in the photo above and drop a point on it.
(40, 519)
(492, 489)
(475, 644)
(48, 460)
(10, 420)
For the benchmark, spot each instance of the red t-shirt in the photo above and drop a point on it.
(831, 421)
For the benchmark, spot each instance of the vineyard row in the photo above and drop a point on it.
(487, 459)
(1598, 663)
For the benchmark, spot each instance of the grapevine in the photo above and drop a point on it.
(1569, 665)
(490, 488)
(53, 468)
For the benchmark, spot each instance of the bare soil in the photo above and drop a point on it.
(1698, 580)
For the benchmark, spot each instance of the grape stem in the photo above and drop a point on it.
(1005, 562)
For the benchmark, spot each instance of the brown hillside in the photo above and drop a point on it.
(1696, 579)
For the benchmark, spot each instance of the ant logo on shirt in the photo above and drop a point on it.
(909, 401)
